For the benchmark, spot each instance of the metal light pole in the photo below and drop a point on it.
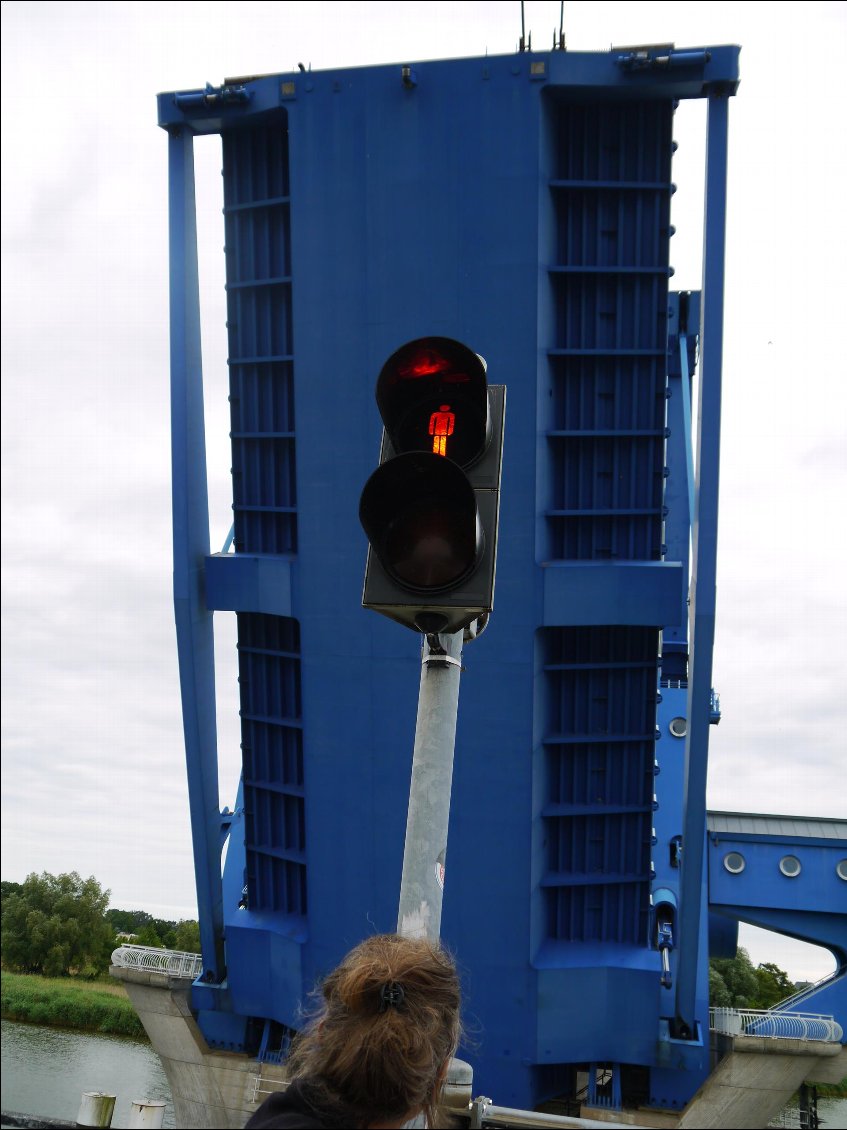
(424, 855)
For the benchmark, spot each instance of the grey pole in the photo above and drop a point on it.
(424, 856)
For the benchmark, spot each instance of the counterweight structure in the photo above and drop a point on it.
(522, 204)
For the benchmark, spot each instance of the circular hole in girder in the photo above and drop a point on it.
(678, 727)
(790, 866)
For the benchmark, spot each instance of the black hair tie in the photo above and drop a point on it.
(391, 995)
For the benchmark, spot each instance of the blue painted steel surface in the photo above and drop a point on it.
(704, 558)
(789, 883)
(195, 638)
(522, 204)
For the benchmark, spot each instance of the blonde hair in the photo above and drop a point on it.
(388, 1023)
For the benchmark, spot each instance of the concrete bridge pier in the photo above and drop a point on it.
(755, 1078)
(214, 1089)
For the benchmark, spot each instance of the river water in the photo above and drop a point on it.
(46, 1070)
(832, 1114)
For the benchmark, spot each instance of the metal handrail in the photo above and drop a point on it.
(801, 994)
(775, 1025)
(484, 1113)
(175, 963)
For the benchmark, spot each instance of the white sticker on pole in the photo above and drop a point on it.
(439, 870)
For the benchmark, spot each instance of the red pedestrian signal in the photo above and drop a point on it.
(430, 509)
(441, 425)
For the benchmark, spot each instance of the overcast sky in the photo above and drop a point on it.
(93, 767)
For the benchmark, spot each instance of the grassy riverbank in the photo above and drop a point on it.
(89, 1006)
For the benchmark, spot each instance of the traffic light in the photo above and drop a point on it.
(430, 509)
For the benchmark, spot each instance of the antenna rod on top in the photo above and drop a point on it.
(562, 26)
(522, 46)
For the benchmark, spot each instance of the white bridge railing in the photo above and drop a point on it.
(777, 1025)
(173, 962)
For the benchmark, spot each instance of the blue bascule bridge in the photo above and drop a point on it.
(520, 205)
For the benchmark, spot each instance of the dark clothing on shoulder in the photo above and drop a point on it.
(290, 1110)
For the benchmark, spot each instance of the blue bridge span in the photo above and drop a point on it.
(520, 204)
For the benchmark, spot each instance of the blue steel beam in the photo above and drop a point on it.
(684, 327)
(685, 388)
(704, 566)
(195, 640)
(693, 74)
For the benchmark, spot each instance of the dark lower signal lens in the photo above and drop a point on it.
(420, 514)
(430, 546)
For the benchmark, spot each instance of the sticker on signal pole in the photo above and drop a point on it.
(439, 870)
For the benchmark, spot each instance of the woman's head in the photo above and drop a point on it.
(388, 1025)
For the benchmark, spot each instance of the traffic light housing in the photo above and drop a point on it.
(430, 510)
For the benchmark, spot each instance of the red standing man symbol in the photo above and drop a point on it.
(440, 427)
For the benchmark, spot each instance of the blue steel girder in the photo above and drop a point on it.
(195, 639)
(791, 883)
(787, 875)
(697, 74)
(704, 565)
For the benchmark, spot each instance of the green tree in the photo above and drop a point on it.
(148, 935)
(718, 992)
(774, 985)
(56, 925)
(188, 936)
(128, 921)
(167, 932)
(149, 931)
(735, 983)
(739, 978)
